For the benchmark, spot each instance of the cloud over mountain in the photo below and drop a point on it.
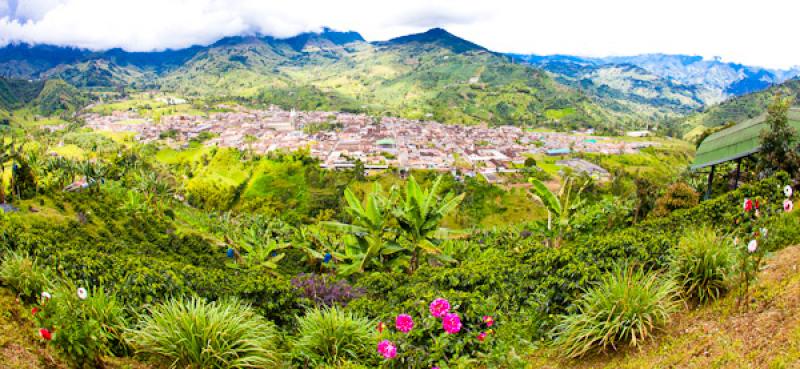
(746, 31)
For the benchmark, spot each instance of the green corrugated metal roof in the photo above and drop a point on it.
(735, 142)
(385, 141)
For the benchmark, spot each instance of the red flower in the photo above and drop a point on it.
(45, 334)
(34, 310)
(482, 336)
(748, 205)
(381, 327)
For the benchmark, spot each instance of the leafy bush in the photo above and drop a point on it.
(332, 336)
(85, 328)
(627, 306)
(702, 264)
(199, 334)
(678, 196)
(24, 275)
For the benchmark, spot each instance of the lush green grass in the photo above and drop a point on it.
(198, 334)
(332, 336)
(628, 306)
(702, 263)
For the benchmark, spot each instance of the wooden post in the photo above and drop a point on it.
(710, 183)
(738, 172)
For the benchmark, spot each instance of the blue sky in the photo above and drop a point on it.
(751, 32)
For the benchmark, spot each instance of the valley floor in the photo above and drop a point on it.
(767, 335)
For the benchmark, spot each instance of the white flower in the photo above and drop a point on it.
(764, 232)
(82, 293)
(736, 241)
(787, 191)
(46, 296)
(752, 246)
(788, 205)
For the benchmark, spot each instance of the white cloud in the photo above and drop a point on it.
(751, 32)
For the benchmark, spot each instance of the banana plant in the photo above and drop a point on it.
(260, 248)
(370, 223)
(8, 152)
(420, 215)
(560, 207)
(311, 241)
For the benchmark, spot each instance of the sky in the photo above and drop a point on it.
(757, 32)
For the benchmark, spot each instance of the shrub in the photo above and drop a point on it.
(628, 305)
(24, 275)
(332, 336)
(678, 196)
(85, 329)
(324, 290)
(702, 263)
(199, 334)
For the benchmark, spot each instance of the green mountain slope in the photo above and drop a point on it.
(15, 93)
(739, 109)
(44, 97)
(433, 75)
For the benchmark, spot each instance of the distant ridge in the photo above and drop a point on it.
(441, 38)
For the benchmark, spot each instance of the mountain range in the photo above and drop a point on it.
(430, 75)
(672, 84)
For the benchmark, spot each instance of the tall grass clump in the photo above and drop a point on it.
(702, 263)
(25, 275)
(198, 334)
(627, 306)
(331, 336)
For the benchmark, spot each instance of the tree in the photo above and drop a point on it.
(779, 142)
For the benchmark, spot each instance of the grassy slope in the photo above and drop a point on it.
(718, 336)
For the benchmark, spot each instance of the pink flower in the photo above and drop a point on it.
(404, 323)
(45, 334)
(482, 336)
(748, 205)
(451, 323)
(788, 205)
(439, 307)
(752, 246)
(488, 320)
(387, 349)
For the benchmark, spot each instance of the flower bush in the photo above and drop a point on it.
(439, 338)
(84, 326)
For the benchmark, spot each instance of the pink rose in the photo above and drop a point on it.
(404, 323)
(439, 307)
(451, 323)
(387, 349)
